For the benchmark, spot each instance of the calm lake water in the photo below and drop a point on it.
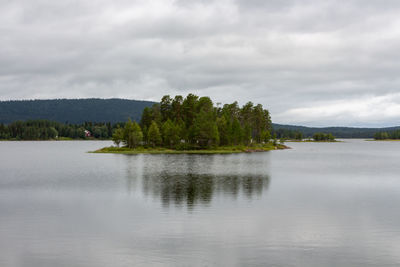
(318, 204)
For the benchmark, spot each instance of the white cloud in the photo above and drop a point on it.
(375, 110)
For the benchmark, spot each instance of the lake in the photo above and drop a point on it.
(318, 204)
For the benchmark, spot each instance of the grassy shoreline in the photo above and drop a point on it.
(312, 141)
(160, 150)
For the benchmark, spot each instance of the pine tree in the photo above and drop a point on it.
(205, 131)
(147, 118)
(176, 108)
(189, 109)
(118, 136)
(170, 134)
(166, 108)
(153, 135)
(236, 132)
(133, 135)
(223, 130)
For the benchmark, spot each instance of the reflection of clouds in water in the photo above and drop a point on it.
(195, 179)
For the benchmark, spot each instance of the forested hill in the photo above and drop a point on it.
(339, 132)
(74, 111)
(78, 111)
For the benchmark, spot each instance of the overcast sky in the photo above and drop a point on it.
(310, 62)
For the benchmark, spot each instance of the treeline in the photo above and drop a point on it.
(340, 132)
(288, 134)
(387, 135)
(45, 130)
(195, 123)
(323, 137)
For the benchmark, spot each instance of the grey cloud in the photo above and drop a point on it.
(291, 55)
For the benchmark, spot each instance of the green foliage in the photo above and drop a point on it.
(236, 132)
(265, 136)
(223, 130)
(323, 137)
(118, 136)
(247, 134)
(204, 130)
(170, 133)
(189, 109)
(154, 136)
(394, 135)
(46, 130)
(147, 118)
(195, 123)
(133, 135)
(288, 131)
(177, 108)
(289, 134)
(166, 107)
(4, 132)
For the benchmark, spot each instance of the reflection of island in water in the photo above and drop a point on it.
(192, 189)
(194, 179)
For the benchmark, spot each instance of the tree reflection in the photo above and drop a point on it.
(184, 180)
(192, 189)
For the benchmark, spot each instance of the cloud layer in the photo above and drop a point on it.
(310, 62)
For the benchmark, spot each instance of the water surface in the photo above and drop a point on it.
(318, 204)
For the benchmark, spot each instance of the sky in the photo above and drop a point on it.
(310, 62)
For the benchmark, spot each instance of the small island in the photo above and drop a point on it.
(297, 136)
(194, 125)
(323, 137)
(387, 136)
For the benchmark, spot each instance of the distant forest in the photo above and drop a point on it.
(393, 135)
(73, 111)
(48, 130)
(291, 132)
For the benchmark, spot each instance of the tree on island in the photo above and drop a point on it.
(195, 123)
(204, 130)
(395, 135)
(323, 137)
(153, 135)
(118, 136)
(171, 134)
(289, 134)
(133, 135)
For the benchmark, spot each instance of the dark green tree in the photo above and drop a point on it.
(177, 108)
(166, 108)
(133, 135)
(236, 132)
(147, 118)
(189, 109)
(118, 136)
(170, 134)
(205, 131)
(154, 136)
(223, 130)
